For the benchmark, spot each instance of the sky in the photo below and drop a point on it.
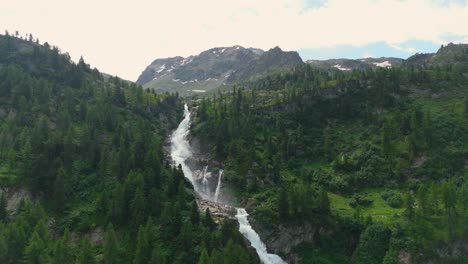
(122, 37)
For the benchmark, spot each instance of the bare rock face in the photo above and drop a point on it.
(285, 237)
(217, 210)
(14, 196)
(404, 257)
(97, 236)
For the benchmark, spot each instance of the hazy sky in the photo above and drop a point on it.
(123, 37)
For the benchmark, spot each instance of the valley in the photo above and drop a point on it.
(235, 155)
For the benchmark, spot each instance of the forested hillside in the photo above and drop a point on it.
(375, 160)
(86, 155)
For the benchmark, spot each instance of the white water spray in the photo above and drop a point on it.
(218, 186)
(180, 152)
(205, 182)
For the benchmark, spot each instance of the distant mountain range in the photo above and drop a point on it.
(358, 64)
(215, 67)
(229, 65)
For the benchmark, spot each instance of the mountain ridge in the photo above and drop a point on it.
(215, 67)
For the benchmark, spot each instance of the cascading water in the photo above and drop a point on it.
(180, 152)
(180, 147)
(205, 182)
(246, 229)
(218, 186)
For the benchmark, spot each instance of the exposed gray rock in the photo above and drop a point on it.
(97, 236)
(217, 210)
(14, 196)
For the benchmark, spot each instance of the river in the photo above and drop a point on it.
(180, 152)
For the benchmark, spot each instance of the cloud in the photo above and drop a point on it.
(403, 49)
(122, 37)
(377, 49)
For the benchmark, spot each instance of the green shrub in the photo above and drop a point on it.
(361, 200)
(393, 198)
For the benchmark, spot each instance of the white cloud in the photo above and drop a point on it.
(404, 49)
(122, 37)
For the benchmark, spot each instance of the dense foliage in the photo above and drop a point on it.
(88, 151)
(317, 146)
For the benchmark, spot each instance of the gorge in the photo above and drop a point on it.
(180, 152)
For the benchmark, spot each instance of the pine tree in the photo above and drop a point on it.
(449, 200)
(3, 208)
(373, 244)
(409, 211)
(59, 191)
(204, 257)
(327, 145)
(3, 249)
(324, 202)
(62, 252)
(194, 213)
(142, 254)
(465, 110)
(85, 255)
(208, 220)
(283, 205)
(157, 257)
(111, 248)
(386, 143)
(35, 252)
(16, 241)
(138, 209)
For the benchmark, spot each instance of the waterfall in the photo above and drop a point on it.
(246, 229)
(205, 182)
(180, 146)
(180, 152)
(218, 186)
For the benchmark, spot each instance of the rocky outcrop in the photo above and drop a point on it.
(404, 257)
(284, 238)
(14, 196)
(217, 210)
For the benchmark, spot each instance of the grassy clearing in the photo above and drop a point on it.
(379, 210)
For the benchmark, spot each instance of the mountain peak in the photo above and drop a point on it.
(214, 67)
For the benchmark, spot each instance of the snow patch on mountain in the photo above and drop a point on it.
(384, 64)
(339, 67)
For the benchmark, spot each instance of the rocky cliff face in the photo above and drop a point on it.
(214, 67)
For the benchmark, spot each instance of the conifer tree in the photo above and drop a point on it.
(208, 220)
(157, 257)
(59, 191)
(3, 248)
(3, 208)
(36, 251)
(194, 213)
(62, 252)
(142, 253)
(111, 248)
(85, 255)
(283, 205)
(204, 257)
(138, 209)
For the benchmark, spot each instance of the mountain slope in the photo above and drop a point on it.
(214, 67)
(86, 154)
(325, 157)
